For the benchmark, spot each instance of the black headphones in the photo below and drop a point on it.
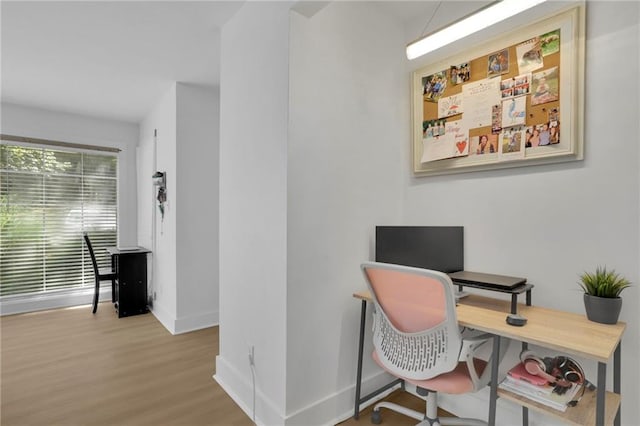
(561, 371)
(568, 369)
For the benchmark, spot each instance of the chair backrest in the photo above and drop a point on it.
(93, 256)
(416, 332)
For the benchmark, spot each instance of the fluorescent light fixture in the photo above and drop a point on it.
(492, 14)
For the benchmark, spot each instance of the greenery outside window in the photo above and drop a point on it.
(48, 197)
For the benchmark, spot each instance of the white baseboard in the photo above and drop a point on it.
(328, 411)
(19, 305)
(339, 406)
(184, 324)
(165, 318)
(240, 388)
(197, 322)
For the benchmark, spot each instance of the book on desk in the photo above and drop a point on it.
(529, 386)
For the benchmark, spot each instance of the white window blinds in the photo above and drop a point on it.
(48, 198)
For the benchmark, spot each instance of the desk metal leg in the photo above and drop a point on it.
(525, 346)
(394, 383)
(600, 393)
(363, 317)
(495, 364)
(525, 410)
(616, 379)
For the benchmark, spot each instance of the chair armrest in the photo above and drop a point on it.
(472, 335)
(471, 345)
(472, 340)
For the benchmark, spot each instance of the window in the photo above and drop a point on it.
(48, 198)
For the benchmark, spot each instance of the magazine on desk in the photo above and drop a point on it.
(532, 387)
(543, 395)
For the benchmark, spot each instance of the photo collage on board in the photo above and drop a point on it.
(504, 104)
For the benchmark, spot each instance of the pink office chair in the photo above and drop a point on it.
(416, 338)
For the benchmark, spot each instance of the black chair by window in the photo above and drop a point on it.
(100, 275)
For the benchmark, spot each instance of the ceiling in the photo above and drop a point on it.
(115, 59)
(108, 59)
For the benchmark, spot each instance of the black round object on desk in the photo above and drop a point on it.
(517, 320)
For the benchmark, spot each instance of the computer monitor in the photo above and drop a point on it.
(440, 248)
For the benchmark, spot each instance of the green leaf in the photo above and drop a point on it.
(603, 283)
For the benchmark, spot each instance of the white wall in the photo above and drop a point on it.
(146, 192)
(164, 275)
(40, 123)
(184, 243)
(347, 132)
(550, 223)
(253, 207)
(347, 169)
(197, 201)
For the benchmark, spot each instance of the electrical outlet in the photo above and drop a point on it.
(251, 355)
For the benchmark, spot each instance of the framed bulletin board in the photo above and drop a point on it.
(513, 101)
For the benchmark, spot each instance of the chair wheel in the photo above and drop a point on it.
(376, 418)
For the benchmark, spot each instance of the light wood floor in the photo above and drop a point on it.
(69, 367)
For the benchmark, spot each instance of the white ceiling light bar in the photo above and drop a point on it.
(492, 14)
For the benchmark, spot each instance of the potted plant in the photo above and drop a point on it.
(602, 290)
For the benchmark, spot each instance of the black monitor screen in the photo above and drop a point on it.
(430, 247)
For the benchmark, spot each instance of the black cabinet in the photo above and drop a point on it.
(131, 281)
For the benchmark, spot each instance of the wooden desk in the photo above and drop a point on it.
(130, 267)
(561, 331)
